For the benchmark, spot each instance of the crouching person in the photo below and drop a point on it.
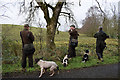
(27, 46)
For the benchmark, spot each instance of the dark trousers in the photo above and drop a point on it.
(30, 60)
(99, 51)
(71, 51)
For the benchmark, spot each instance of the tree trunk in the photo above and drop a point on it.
(51, 22)
(51, 29)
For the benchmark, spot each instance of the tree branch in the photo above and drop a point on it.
(50, 6)
(113, 9)
(101, 11)
(56, 12)
(44, 8)
(69, 15)
(100, 7)
(58, 8)
(4, 16)
(65, 13)
(79, 2)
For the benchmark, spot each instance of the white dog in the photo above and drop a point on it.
(65, 61)
(45, 65)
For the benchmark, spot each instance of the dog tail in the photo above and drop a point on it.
(58, 69)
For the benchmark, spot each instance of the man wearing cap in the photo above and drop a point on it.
(73, 42)
(27, 46)
(100, 43)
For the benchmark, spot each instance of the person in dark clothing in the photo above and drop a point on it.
(27, 46)
(73, 42)
(100, 43)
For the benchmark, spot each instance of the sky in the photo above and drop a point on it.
(11, 11)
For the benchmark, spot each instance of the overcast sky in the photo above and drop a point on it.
(12, 9)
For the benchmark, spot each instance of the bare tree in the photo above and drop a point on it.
(97, 17)
(52, 22)
(92, 21)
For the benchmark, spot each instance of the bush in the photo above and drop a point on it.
(11, 51)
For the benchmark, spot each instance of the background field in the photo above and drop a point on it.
(12, 45)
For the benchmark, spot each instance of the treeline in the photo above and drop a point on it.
(95, 18)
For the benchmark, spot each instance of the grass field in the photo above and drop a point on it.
(12, 49)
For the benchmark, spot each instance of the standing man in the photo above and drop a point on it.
(73, 42)
(27, 46)
(100, 43)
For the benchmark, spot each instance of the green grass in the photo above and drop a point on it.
(12, 45)
(74, 63)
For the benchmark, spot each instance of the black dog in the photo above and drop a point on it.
(85, 57)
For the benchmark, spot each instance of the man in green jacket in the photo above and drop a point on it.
(100, 43)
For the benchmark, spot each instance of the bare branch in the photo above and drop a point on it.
(57, 11)
(79, 2)
(45, 10)
(102, 12)
(100, 8)
(65, 13)
(5, 16)
(71, 18)
(69, 14)
(113, 9)
(4, 6)
(50, 6)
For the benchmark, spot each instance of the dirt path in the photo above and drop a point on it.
(104, 71)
